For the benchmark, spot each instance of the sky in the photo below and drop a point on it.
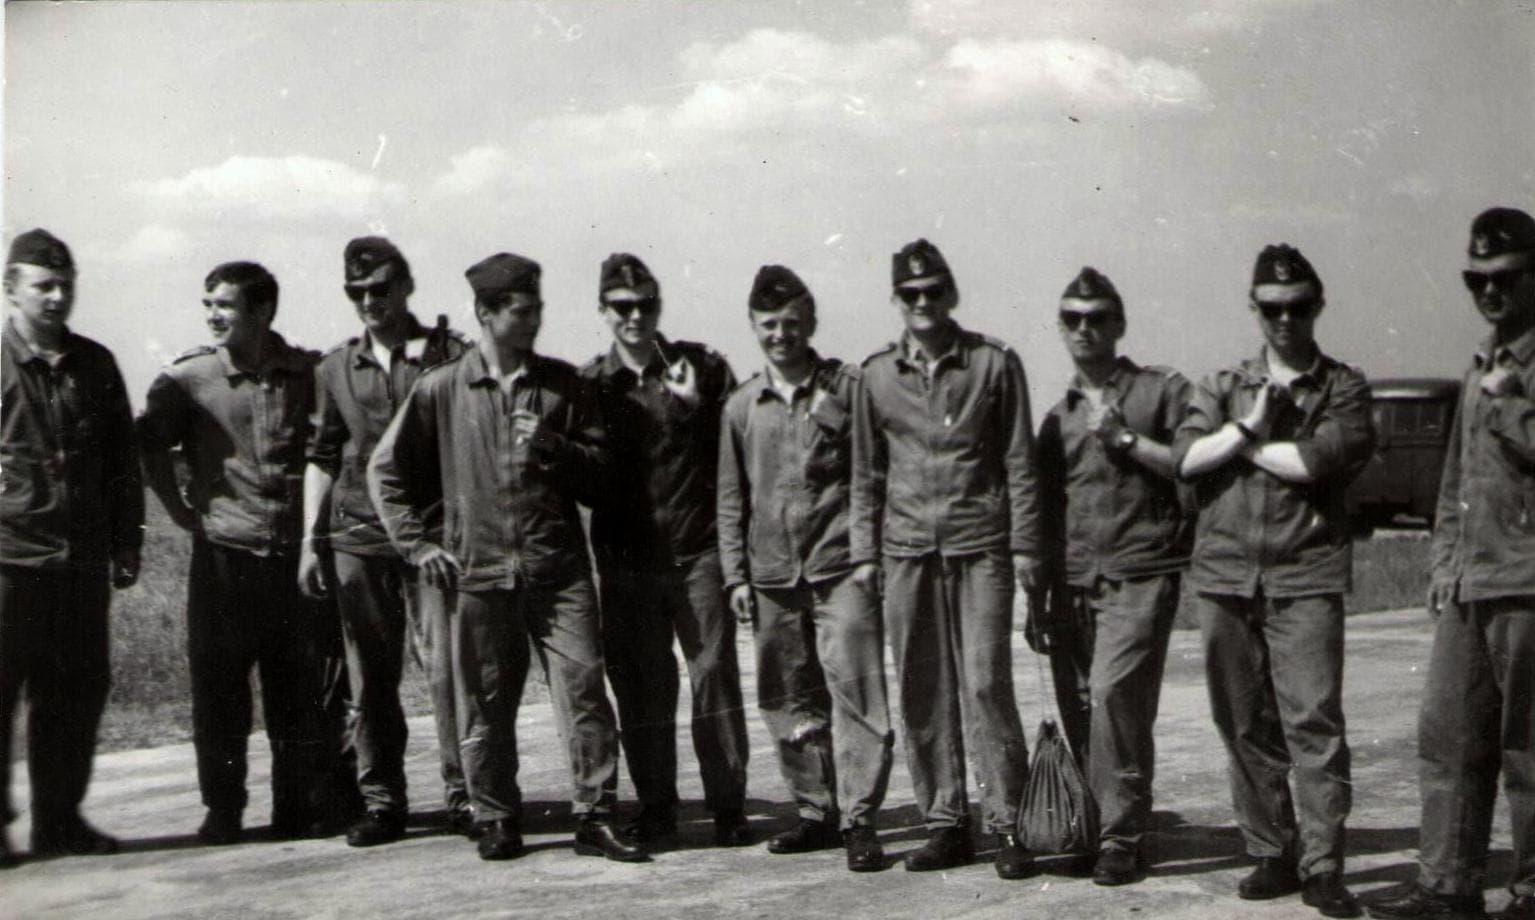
(1163, 143)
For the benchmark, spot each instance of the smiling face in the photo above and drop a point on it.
(233, 322)
(1091, 328)
(632, 314)
(1503, 288)
(42, 296)
(381, 298)
(926, 303)
(784, 334)
(1287, 315)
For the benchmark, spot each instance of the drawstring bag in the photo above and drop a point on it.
(1057, 815)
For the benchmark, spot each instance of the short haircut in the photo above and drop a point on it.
(253, 280)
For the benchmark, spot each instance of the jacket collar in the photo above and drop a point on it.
(476, 373)
(21, 352)
(1522, 349)
(958, 351)
(278, 357)
(1123, 367)
(362, 348)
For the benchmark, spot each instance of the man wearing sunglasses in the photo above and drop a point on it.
(945, 514)
(1271, 444)
(1120, 542)
(654, 536)
(1478, 710)
(346, 553)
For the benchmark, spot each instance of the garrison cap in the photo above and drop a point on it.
(1091, 284)
(1498, 231)
(39, 247)
(776, 287)
(624, 270)
(918, 261)
(494, 277)
(1284, 264)
(366, 254)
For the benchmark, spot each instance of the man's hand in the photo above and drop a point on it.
(1029, 571)
(1500, 381)
(869, 577)
(741, 603)
(682, 381)
(528, 429)
(1441, 594)
(1258, 417)
(184, 517)
(125, 568)
(440, 567)
(312, 582)
(1106, 422)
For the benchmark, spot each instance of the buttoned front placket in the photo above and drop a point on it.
(929, 385)
(55, 382)
(794, 432)
(508, 485)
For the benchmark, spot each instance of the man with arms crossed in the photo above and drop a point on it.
(1478, 711)
(1111, 503)
(945, 511)
(1271, 445)
(784, 473)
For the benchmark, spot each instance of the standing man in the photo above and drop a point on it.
(503, 439)
(1107, 477)
(1478, 712)
(71, 524)
(1271, 444)
(239, 412)
(785, 472)
(945, 512)
(358, 386)
(653, 532)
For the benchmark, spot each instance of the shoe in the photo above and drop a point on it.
(72, 837)
(731, 829)
(1522, 907)
(220, 827)
(1012, 860)
(1115, 866)
(1326, 893)
(500, 839)
(7, 855)
(376, 827)
(1273, 877)
(1414, 901)
(945, 848)
(651, 824)
(596, 837)
(461, 823)
(864, 854)
(805, 837)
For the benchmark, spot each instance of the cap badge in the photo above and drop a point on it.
(1282, 270)
(918, 265)
(1481, 244)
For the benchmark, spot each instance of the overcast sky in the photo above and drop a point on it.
(1025, 139)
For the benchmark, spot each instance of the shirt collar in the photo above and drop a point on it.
(477, 372)
(362, 349)
(278, 356)
(1522, 349)
(613, 363)
(1123, 367)
(1255, 370)
(958, 350)
(21, 350)
(771, 379)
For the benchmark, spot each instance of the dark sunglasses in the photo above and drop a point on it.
(933, 293)
(1505, 280)
(358, 291)
(644, 307)
(1097, 319)
(1273, 311)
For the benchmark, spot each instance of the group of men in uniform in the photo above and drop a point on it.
(428, 488)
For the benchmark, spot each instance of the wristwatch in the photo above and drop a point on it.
(1125, 440)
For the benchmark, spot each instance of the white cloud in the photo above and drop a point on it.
(154, 243)
(999, 73)
(1112, 21)
(273, 189)
(474, 169)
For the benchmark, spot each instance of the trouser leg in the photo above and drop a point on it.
(1247, 718)
(706, 632)
(637, 650)
(563, 623)
(429, 610)
(1134, 621)
(980, 590)
(490, 665)
(1511, 638)
(370, 596)
(221, 650)
(22, 603)
(792, 694)
(1071, 663)
(292, 690)
(849, 641)
(924, 645)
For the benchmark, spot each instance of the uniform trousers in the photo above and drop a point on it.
(245, 611)
(1477, 716)
(491, 634)
(950, 621)
(383, 600)
(1107, 662)
(53, 648)
(1274, 666)
(821, 688)
(643, 613)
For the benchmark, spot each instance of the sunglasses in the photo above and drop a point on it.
(1299, 311)
(1097, 319)
(625, 308)
(1505, 280)
(933, 293)
(379, 290)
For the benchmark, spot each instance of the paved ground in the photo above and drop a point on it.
(149, 798)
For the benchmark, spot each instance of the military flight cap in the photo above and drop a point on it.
(495, 277)
(1091, 284)
(775, 287)
(918, 261)
(1498, 231)
(365, 254)
(39, 247)
(625, 270)
(1284, 264)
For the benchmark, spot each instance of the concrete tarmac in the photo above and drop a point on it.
(149, 799)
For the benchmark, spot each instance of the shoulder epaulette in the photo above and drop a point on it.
(743, 384)
(197, 351)
(446, 362)
(994, 342)
(591, 363)
(1162, 369)
(889, 347)
(342, 346)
